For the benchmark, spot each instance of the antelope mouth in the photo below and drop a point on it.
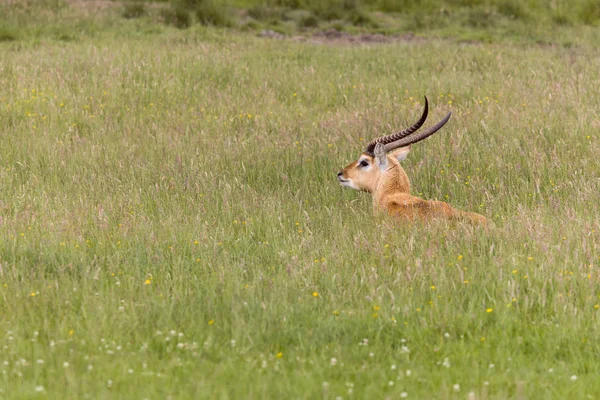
(345, 182)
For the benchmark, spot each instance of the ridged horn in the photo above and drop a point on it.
(417, 137)
(400, 134)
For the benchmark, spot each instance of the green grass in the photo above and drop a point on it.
(426, 17)
(171, 224)
(572, 23)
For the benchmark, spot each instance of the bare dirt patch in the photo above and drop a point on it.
(335, 37)
(94, 5)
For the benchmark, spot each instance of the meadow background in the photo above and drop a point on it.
(171, 225)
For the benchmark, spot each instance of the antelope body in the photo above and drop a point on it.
(378, 172)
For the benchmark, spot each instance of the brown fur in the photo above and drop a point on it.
(391, 191)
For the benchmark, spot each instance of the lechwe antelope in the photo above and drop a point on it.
(378, 172)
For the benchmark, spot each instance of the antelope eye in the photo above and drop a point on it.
(363, 163)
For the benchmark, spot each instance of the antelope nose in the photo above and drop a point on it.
(340, 174)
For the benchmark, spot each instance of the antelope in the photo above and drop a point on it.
(378, 172)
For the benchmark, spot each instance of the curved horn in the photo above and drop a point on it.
(417, 137)
(400, 134)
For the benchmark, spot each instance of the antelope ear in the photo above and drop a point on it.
(380, 156)
(401, 153)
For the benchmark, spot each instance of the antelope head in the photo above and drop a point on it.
(384, 153)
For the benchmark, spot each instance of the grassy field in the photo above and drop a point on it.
(563, 22)
(171, 225)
